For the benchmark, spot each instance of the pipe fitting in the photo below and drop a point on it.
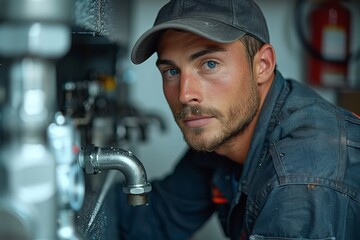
(94, 159)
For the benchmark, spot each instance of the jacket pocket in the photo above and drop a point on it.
(258, 237)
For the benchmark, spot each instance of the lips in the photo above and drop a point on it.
(197, 122)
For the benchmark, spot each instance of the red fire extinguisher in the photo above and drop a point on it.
(330, 39)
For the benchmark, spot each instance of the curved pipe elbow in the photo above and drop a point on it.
(94, 159)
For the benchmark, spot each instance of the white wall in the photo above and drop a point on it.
(162, 150)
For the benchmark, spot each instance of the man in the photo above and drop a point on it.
(268, 155)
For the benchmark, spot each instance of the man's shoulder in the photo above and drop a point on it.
(316, 139)
(304, 114)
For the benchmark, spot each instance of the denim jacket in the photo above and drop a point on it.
(301, 179)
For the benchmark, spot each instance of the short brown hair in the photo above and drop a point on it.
(252, 46)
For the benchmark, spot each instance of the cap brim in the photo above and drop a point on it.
(213, 30)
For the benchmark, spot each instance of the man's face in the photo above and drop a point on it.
(209, 88)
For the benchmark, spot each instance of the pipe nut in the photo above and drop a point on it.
(86, 159)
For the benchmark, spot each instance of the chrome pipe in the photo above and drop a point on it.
(95, 159)
(33, 34)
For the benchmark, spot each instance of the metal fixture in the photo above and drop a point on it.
(33, 34)
(64, 143)
(95, 159)
(41, 184)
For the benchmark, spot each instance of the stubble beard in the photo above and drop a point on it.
(233, 123)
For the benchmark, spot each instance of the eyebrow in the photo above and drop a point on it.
(165, 62)
(207, 50)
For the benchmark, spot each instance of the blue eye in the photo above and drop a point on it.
(211, 64)
(173, 72)
(170, 74)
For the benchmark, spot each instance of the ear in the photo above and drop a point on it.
(264, 64)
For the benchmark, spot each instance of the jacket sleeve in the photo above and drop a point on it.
(178, 204)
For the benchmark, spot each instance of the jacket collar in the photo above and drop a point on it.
(266, 122)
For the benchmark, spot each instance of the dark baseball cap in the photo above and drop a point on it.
(221, 21)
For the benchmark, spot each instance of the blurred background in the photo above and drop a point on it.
(66, 81)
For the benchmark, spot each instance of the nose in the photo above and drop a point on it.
(190, 89)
